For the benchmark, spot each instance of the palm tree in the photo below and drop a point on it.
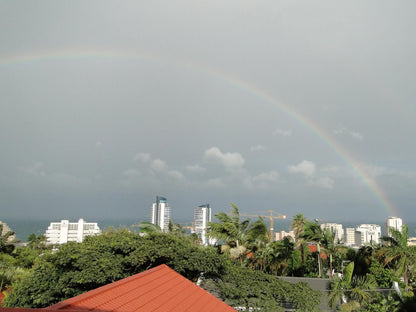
(236, 234)
(331, 247)
(312, 232)
(350, 289)
(298, 225)
(398, 253)
(37, 242)
(146, 227)
(284, 253)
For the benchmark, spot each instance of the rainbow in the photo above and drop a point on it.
(237, 82)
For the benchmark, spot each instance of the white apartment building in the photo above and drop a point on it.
(395, 223)
(350, 236)
(202, 215)
(65, 231)
(335, 228)
(282, 234)
(369, 233)
(161, 213)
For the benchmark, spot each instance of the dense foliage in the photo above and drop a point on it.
(246, 288)
(78, 267)
(243, 269)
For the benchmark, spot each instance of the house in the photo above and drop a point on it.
(157, 289)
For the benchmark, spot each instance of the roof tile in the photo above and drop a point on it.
(156, 290)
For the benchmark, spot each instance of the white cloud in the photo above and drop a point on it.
(375, 171)
(271, 176)
(142, 157)
(215, 183)
(38, 169)
(325, 182)
(283, 132)
(37, 175)
(131, 173)
(195, 169)
(264, 180)
(228, 160)
(345, 131)
(158, 165)
(306, 167)
(177, 175)
(257, 148)
(357, 135)
(98, 144)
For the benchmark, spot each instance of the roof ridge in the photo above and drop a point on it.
(150, 291)
(95, 292)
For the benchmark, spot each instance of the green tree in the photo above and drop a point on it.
(237, 234)
(349, 289)
(37, 242)
(298, 224)
(78, 267)
(243, 287)
(312, 232)
(280, 255)
(147, 227)
(396, 252)
(383, 276)
(331, 247)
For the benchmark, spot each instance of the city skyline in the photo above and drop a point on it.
(294, 107)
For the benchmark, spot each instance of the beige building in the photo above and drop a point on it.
(282, 234)
(349, 236)
(411, 241)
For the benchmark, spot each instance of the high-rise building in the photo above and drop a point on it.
(350, 237)
(65, 231)
(335, 228)
(161, 213)
(395, 223)
(370, 233)
(202, 215)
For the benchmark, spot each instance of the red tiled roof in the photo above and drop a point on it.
(314, 248)
(158, 289)
(155, 290)
(26, 310)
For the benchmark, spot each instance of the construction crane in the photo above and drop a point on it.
(189, 227)
(271, 217)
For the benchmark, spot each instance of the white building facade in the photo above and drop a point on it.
(395, 223)
(161, 213)
(202, 215)
(350, 237)
(369, 234)
(335, 228)
(282, 234)
(65, 231)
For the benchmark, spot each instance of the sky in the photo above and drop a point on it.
(291, 106)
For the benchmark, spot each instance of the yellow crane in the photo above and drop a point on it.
(189, 227)
(271, 217)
